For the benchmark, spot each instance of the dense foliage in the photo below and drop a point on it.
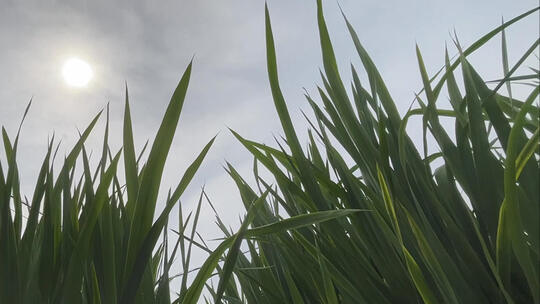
(360, 216)
(457, 226)
(89, 239)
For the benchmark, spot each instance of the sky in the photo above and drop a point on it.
(148, 44)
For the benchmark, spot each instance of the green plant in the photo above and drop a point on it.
(385, 229)
(465, 231)
(89, 239)
(93, 239)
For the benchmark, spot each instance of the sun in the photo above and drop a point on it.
(77, 72)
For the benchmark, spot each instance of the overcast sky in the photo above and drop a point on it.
(149, 43)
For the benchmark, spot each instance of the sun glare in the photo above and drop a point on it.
(76, 72)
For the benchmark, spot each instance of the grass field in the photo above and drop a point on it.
(361, 215)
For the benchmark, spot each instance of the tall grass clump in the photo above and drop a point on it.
(457, 226)
(89, 238)
(360, 216)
